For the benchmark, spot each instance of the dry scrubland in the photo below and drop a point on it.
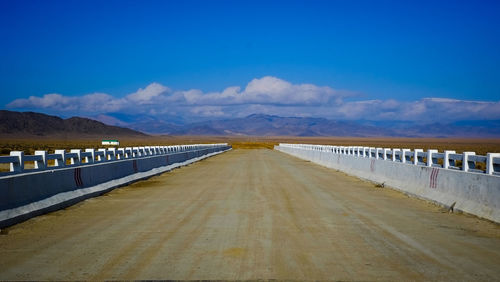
(480, 146)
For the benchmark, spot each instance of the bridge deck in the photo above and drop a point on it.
(252, 214)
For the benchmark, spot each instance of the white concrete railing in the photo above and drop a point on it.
(64, 178)
(78, 157)
(431, 158)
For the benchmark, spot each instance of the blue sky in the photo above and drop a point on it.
(382, 60)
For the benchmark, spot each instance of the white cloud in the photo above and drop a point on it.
(441, 109)
(266, 90)
(267, 95)
(148, 95)
(47, 101)
(272, 90)
(96, 102)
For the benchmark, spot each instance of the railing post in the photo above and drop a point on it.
(77, 160)
(105, 154)
(385, 151)
(90, 159)
(405, 156)
(446, 160)
(466, 164)
(416, 157)
(490, 166)
(120, 153)
(18, 166)
(128, 152)
(430, 159)
(43, 163)
(111, 154)
(396, 155)
(60, 162)
(135, 152)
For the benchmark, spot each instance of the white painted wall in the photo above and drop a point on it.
(472, 191)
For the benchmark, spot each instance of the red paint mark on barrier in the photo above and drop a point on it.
(433, 178)
(372, 166)
(77, 175)
(134, 165)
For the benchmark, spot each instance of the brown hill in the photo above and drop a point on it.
(30, 124)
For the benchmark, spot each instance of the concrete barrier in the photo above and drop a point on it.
(434, 176)
(78, 175)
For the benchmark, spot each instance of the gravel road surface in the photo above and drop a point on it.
(252, 214)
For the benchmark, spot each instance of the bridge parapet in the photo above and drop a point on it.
(467, 161)
(462, 182)
(78, 157)
(64, 178)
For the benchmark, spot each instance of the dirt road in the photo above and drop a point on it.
(252, 214)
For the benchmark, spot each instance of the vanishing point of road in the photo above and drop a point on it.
(252, 214)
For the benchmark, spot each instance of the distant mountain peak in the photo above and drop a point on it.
(262, 116)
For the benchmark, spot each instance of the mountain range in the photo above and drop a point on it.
(269, 125)
(16, 124)
(31, 124)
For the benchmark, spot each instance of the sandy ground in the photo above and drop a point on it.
(252, 214)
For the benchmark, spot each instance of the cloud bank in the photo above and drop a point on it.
(266, 95)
